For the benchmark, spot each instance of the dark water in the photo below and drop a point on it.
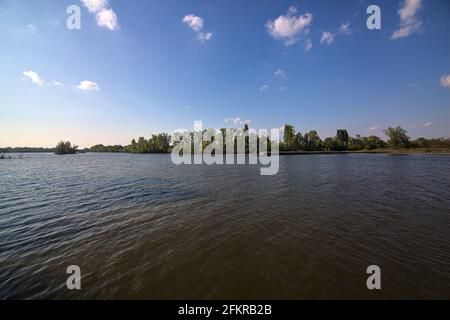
(140, 227)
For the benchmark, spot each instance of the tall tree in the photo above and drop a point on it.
(289, 137)
(397, 137)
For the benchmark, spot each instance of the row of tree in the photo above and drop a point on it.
(103, 148)
(157, 143)
(397, 138)
(292, 141)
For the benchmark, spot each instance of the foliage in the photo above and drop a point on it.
(292, 141)
(65, 147)
(102, 148)
(397, 137)
(157, 143)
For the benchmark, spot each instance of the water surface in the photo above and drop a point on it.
(140, 227)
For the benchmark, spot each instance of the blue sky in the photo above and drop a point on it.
(139, 67)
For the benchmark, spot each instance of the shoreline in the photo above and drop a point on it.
(391, 152)
(6, 155)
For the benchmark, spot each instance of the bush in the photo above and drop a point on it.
(65, 147)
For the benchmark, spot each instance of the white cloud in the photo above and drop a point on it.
(445, 80)
(345, 29)
(104, 15)
(308, 45)
(88, 86)
(194, 22)
(32, 28)
(107, 18)
(327, 38)
(237, 120)
(428, 124)
(374, 128)
(409, 22)
(264, 87)
(95, 6)
(290, 26)
(204, 36)
(34, 77)
(280, 73)
(180, 130)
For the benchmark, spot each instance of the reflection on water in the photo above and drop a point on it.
(141, 227)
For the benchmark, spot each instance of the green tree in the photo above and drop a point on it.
(341, 139)
(289, 137)
(397, 137)
(330, 144)
(312, 141)
(65, 147)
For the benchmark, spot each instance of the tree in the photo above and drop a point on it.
(330, 144)
(312, 141)
(299, 141)
(102, 148)
(341, 139)
(373, 142)
(289, 137)
(397, 137)
(65, 147)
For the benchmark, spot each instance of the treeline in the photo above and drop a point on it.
(291, 141)
(157, 143)
(102, 148)
(25, 150)
(342, 141)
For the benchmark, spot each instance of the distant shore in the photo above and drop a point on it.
(393, 152)
(7, 154)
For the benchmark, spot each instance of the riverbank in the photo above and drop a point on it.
(375, 151)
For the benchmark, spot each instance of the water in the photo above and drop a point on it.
(140, 227)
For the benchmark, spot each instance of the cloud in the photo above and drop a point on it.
(327, 38)
(202, 37)
(308, 45)
(95, 6)
(413, 85)
(409, 22)
(31, 28)
(374, 128)
(264, 87)
(104, 15)
(107, 18)
(180, 130)
(290, 26)
(445, 81)
(194, 22)
(34, 77)
(428, 124)
(280, 73)
(88, 86)
(237, 120)
(344, 29)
